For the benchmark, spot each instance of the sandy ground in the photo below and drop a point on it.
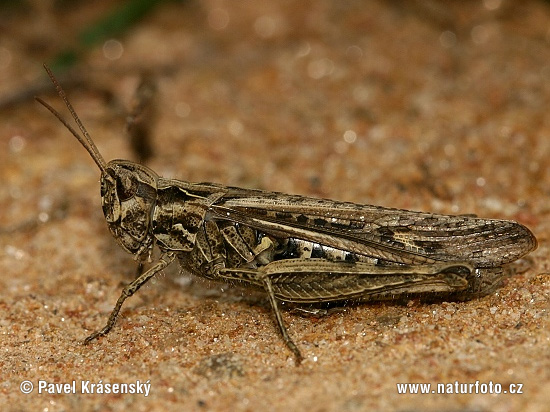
(421, 105)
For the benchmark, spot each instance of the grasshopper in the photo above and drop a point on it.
(296, 249)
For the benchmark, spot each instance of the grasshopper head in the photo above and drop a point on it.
(128, 195)
(128, 190)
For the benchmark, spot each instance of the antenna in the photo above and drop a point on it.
(85, 141)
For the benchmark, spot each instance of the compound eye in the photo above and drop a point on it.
(126, 186)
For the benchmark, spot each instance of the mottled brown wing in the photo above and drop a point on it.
(394, 235)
